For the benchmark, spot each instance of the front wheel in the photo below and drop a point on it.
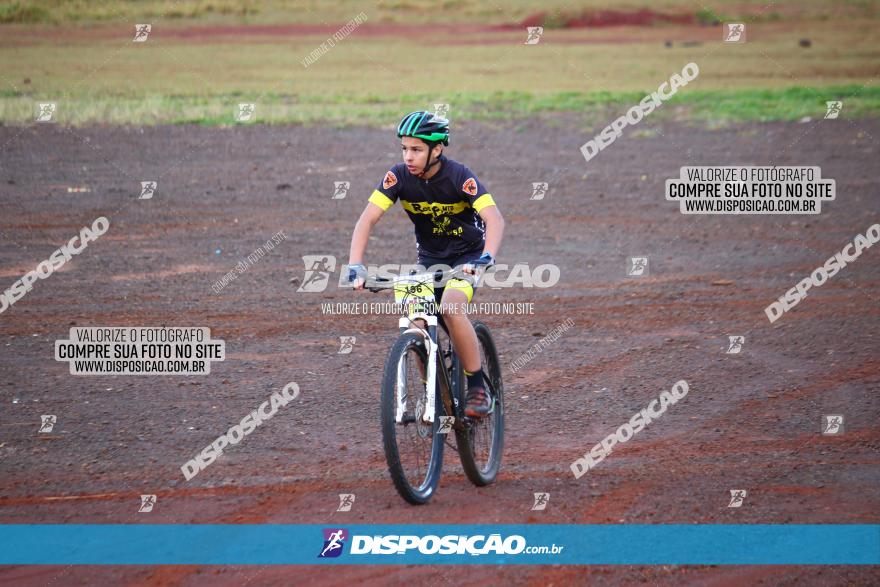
(413, 448)
(481, 442)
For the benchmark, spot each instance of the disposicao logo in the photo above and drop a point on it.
(334, 541)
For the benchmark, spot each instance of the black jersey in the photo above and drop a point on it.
(445, 209)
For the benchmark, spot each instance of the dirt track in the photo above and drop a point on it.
(750, 421)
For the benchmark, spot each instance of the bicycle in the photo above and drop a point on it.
(416, 414)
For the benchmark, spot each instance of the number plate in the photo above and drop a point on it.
(408, 289)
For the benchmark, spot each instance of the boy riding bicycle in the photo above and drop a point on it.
(457, 223)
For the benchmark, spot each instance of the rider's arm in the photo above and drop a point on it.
(383, 197)
(369, 217)
(491, 215)
(475, 193)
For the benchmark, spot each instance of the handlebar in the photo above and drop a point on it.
(439, 276)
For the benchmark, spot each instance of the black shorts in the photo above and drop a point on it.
(456, 283)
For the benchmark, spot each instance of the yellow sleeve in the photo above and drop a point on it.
(381, 200)
(483, 201)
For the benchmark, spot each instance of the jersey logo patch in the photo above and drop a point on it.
(390, 180)
(470, 186)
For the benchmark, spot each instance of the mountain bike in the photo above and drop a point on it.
(423, 394)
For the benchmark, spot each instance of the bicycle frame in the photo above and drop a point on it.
(434, 373)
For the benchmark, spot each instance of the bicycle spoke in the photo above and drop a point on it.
(415, 460)
(483, 429)
(483, 447)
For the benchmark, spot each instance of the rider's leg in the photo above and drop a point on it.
(464, 338)
(422, 367)
(461, 331)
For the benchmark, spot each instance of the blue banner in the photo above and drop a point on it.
(275, 544)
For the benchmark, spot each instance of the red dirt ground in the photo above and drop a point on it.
(446, 33)
(750, 421)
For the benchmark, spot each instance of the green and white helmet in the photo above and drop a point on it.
(424, 125)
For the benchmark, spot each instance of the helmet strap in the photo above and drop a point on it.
(428, 163)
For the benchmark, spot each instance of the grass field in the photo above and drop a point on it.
(95, 74)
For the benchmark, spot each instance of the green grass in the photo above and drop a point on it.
(86, 11)
(787, 104)
(843, 53)
(592, 107)
(98, 76)
(26, 12)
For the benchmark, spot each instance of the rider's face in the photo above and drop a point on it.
(415, 153)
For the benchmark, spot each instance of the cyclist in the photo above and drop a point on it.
(457, 223)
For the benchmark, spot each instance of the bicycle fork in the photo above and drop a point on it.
(433, 351)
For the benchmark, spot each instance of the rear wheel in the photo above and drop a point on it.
(413, 448)
(481, 443)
